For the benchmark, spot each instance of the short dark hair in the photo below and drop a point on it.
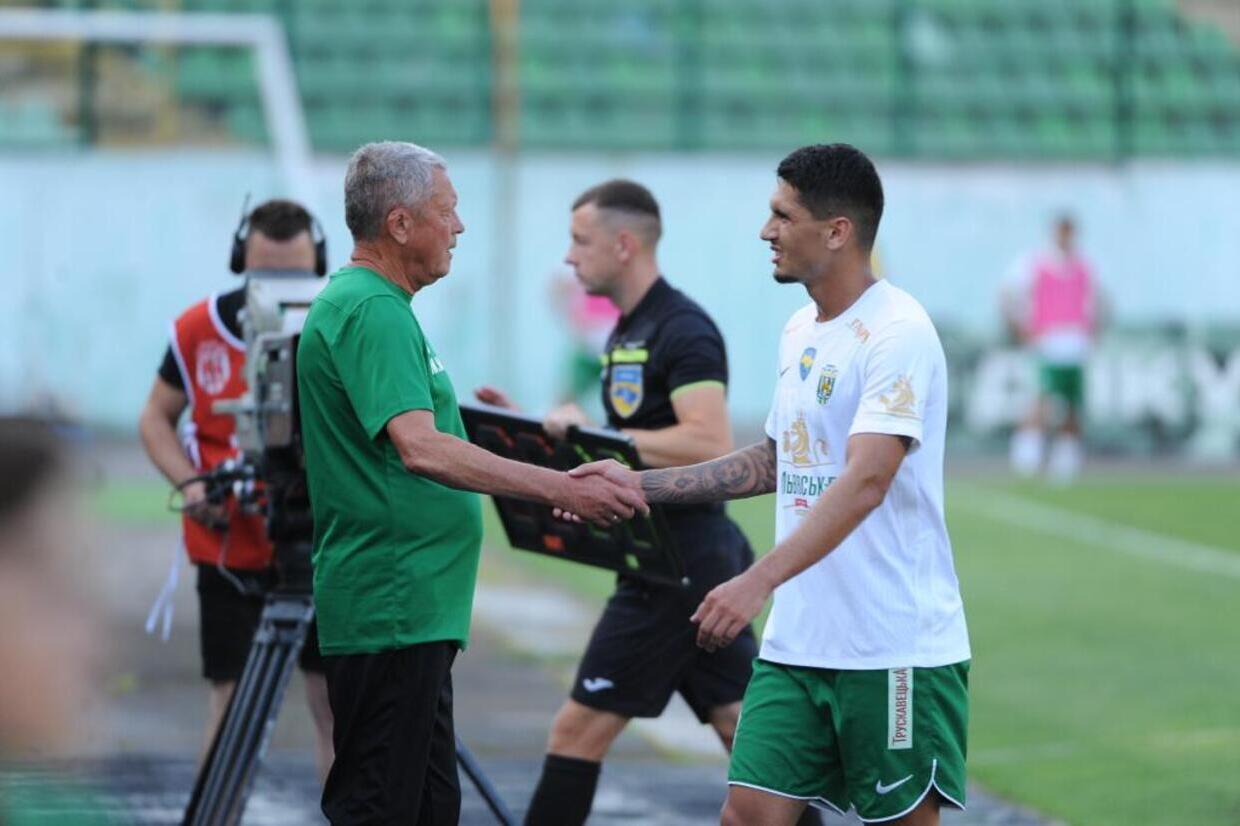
(837, 179)
(30, 454)
(628, 197)
(280, 220)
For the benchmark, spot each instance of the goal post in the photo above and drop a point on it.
(277, 84)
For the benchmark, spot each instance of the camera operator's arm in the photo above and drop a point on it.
(426, 451)
(157, 426)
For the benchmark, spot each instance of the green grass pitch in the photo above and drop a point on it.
(1104, 685)
(1104, 682)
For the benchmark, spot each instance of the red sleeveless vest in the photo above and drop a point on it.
(212, 362)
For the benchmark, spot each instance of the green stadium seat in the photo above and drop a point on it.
(245, 121)
(1004, 135)
(1152, 136)
(950, 136)
(1088, 90)
(1017, 78)
(217, 74)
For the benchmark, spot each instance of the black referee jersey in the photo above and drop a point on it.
(665, 345)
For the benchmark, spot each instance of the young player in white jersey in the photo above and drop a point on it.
(860, 693)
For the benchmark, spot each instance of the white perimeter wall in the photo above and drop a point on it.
(100, 250)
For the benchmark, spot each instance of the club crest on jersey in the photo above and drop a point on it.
(213, 368)
(807, 361)
(900, 400)
(826, 383)
(802, 449)
(625, 390)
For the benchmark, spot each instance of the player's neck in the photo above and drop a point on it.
(375, 257)
(835, 293)
(632, 288)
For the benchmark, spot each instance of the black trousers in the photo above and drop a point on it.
(395, 746)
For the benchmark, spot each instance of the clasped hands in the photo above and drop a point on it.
(598, 498)
(729, 608)
(607, 492)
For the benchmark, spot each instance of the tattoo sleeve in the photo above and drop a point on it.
(742, 473)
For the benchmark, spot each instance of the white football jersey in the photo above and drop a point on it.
(887, 596)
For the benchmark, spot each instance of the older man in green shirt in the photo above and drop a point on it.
(393, 487)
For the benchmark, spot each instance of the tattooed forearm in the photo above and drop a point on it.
(746, 472)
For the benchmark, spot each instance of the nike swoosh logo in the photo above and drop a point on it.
(595, 684)
(785, 370)
(881, 789)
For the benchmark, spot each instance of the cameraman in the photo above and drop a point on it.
(393, 487)
(204, 363)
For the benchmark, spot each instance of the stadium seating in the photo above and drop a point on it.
(1057, 79)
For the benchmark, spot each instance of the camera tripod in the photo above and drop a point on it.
(227, 776)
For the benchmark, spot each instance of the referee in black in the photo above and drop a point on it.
(664, 377)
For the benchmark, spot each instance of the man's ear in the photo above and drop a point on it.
(626, 246)
(399, 224)
(837, 232)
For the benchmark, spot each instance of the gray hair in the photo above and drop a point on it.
(383, 176)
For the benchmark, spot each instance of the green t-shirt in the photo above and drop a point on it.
(395, 554)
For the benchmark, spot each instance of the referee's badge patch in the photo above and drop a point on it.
(625, 390)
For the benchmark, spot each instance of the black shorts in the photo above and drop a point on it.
(228, 618)
(394, 738)
(644, 648)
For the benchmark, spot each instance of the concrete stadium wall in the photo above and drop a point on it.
(100, 250)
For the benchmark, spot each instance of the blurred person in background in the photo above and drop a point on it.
(1050, 302)
(393, 488)
(204, 363)
(590, 319)
(664, 385)
(49, 649)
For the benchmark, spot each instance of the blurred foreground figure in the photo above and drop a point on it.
(48, 649)
(1050, 304)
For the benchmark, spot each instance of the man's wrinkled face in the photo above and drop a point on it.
(594, 251)
(435, 226)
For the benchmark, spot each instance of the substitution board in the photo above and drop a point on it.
(641, 547)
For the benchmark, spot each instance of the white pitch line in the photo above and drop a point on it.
(1114, 536)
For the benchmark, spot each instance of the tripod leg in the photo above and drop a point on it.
(496, 804)
(226, 777)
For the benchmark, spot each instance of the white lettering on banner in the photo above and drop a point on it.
(1217, 386)
(1151, 386)
(1129, 384)
(899, 708)
(1001, 391)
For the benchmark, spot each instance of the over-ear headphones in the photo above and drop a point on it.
(236, 259)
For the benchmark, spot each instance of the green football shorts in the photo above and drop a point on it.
(1063, 382)
(876, 740)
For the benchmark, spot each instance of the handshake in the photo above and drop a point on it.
(606, 493)
(603, 493)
